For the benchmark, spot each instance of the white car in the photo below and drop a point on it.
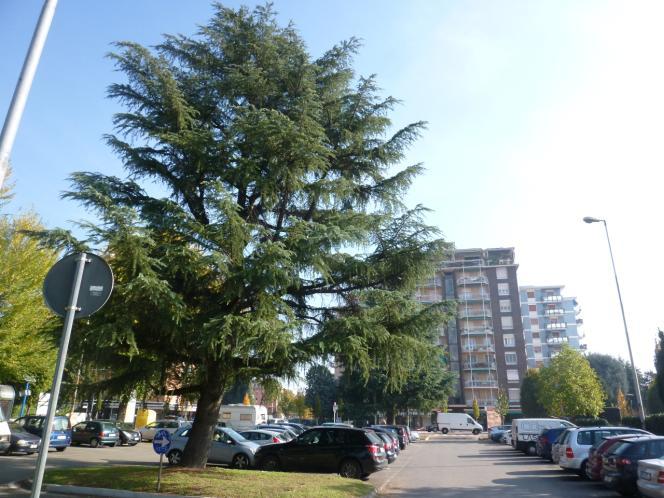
(414, 436)
(651, 478)
(148, 432)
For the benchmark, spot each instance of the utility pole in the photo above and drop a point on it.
(20, 97)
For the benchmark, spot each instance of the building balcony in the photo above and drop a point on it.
(478, 349)
(476, 331)
(479, 314)
(478, 280)
(556, 326)
(479, 366)
(552, 299)
(471, 384)
(557, 341)
(468, 297)
(555, 311)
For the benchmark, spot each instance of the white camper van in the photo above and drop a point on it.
(6, 405)
(242, 417)
(525, 431)
(447, 422)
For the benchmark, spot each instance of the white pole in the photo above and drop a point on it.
(57, 380)
(20, 97)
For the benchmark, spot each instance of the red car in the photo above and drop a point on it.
(595, 455)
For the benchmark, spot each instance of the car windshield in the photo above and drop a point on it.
(235, 435)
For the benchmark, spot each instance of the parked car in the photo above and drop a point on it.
(353, 453)
(389, 445)
(620, 467)
(525, 431)
(555, 447)
(651, 478)
(95, 433)
(495, 433)
(263, 436)
(574, 448)
(545, 441)
(596, 454)
(285, 431)
(21, 441)
(128, 435)
(403, 438)
(294, 427)
(446, 422)
(393, 435)
(148, 432)
(415, 436)
(60, 430)
(506, 437)
(228, 447)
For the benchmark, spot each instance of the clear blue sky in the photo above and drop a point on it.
(539, 113)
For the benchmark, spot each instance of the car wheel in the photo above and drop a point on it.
(270, 463)
(350, 469)
(582, 470)
(444, 430)
(476, 431)
(61, 449)
(94, 442)
(531, 450)
(240, 461)
(174, 457)
(112, 445)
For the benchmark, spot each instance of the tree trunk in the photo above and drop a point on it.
(207, 415)
(391, 412)
(122, 407)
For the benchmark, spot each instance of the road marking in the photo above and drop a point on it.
(382, 487)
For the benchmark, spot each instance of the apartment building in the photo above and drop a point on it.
(550, 320)
(486, 342)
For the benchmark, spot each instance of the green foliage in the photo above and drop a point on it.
(654, 423)
(589, 421)
(612, 373)
(28, 331)
(502, 404)
(631, 422)
(530, 403)
(569, 387)
(476, 410)
(659, 364)
(654, 402)
(321, 391)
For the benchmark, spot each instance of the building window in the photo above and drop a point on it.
(534, 321)
(510, 359)
(537, 349)
(501, 273)
(512, 376)
(514, 395)
(532, 307)
(506, 322)
(505, 306)
(508, 340)
(504, 289)
(531, 294)
(536, 335)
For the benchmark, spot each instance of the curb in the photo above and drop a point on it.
(106, 493)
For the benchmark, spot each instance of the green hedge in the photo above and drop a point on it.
(654, 423)
(589, 421)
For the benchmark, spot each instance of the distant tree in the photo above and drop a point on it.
(654, 402)
(530, 403)
(28, 330)
(569, 387)
(321, 389)
(659, 363)
(622, 404)
(502, 404)
(476, 410)
(612, 373)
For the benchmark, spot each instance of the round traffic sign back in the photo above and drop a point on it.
(96, 286)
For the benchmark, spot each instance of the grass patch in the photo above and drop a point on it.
(212, 481)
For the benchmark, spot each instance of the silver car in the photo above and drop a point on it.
(651, 478)
(264, 436)
(228, 447)
(148, 432)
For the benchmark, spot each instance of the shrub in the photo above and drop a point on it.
(589, 421)
(654, 423)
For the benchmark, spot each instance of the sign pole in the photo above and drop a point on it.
(57, 380)
(161, 462)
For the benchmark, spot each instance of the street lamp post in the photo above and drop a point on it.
(637, 388)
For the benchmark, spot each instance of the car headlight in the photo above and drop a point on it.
(21, 442)
(4, 439)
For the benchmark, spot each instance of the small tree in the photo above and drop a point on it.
(621, 401)
(502, 405)
(530, 404)
(476, 410)
(570, 387)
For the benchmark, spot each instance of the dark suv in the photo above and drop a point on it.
(60, 431)
(95, 433)
(620, 465)
(353, 453)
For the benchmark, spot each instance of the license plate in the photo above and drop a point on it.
(62, 437)
(645, 475)
(33, 446)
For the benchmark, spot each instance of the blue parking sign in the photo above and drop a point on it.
(161, 442)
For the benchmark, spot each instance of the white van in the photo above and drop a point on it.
(242, 417)
(525, 431)
(447, 422)
(6, 405)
